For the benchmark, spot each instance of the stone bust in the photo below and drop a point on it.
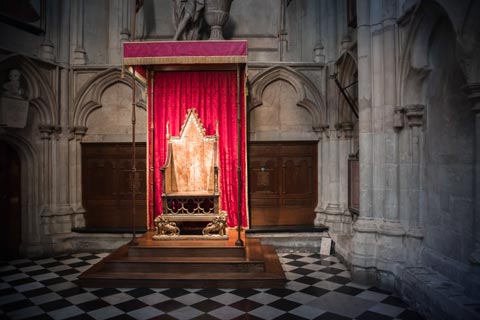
(12, 87)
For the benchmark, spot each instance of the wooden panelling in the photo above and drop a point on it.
(107, 186)
(282, 183)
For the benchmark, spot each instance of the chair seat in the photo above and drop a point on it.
(191, 194)
(179, 217)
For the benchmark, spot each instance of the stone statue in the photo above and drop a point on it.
(12, 87)
(188, 19)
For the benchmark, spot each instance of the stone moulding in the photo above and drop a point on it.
(90, 95)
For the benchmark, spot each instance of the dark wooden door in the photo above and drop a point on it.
(106, 185)
(10, 207)
(282, 183)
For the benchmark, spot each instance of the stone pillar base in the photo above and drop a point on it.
(32, 249)
(78, 220)
(57, 224)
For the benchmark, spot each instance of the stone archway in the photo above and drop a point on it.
(301, 93)
(10, 202)
(33, 153)
(101, 128)
(30, 236)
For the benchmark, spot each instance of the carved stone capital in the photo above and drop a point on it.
(399, 118)
(57, 130)
(47, 50)
(414, 114)
(475, 257)
(473, 93)
(77, 132)
(347, 128)
(80, 56)
(344, 129)
(46, 131)
(346, 42)
(338, 129)
(318, 53)
(321, 130)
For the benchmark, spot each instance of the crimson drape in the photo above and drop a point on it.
(214, 96)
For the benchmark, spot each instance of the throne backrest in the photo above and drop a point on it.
(191, 159)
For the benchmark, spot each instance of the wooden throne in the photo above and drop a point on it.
(190, 174)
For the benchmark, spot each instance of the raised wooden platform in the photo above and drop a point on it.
(188, 264)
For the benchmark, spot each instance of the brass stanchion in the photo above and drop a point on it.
(239, 241)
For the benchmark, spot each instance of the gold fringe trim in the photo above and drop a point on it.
(184, 60)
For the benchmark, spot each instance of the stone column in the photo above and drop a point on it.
(318, 50)
(115, 31)
(125, 20)
(333, 212)
(62, 157)
(390, 101)
(79, 54)
(45, 174)
(65, 39)
(55, 208)
(47, 49)
(364, 238)
(414, 115)
(344, 150)
(76, 136)
(331, 30)
(282, 35)
(365, 109)
(62, 205)
(320, 216)
(473, 90)
(345, 146)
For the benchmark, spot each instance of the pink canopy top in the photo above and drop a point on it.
(184, 52)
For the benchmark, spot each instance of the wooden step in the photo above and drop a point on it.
(186, 251)
(150, 265)
(188, 264)
(184, 280)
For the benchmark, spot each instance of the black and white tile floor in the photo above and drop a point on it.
(317, 288)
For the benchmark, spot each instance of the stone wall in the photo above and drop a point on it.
(418, 68)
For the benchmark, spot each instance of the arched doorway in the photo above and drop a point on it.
(10, 208)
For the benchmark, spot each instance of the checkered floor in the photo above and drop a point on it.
(318, 288)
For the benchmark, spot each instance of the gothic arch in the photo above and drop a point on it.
(30, 215)
(415, 65)
(91, 93)
(38, 91)
(303, 87)
(347, 68)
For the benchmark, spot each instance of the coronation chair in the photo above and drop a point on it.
(190, 175)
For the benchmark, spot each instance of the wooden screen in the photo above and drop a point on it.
(282, 183)
(106, 185)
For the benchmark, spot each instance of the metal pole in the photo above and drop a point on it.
(152, 149)
(239, 241)
(134, 120)
(345, 94)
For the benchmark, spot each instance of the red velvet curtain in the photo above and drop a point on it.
(214, 96)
